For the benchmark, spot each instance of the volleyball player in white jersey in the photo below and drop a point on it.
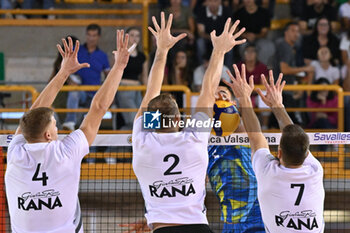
(42, 176)
(290, 187)
(170, 164)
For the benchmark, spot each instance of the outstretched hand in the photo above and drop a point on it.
(239, 85)
(273, 96)
(227, 40)
(70, 63)
(138, 227)
(162, 34)
(121, 55)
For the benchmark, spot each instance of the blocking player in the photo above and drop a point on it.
(290, 187)
(42, 176)
(233, 180)
(170, 165)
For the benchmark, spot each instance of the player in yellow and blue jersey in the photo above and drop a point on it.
(233, 181)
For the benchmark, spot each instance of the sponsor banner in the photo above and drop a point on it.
(233, 139)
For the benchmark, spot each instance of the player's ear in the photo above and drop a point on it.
(48, 136)
(279, 153)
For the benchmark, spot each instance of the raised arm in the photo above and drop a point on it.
(69, 66)
(221, 45)
(105, 95)
(273, 99)
(165, 41)
(242, 91)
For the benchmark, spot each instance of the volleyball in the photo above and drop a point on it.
(228, 114)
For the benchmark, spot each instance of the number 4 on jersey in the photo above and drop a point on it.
(44, 178)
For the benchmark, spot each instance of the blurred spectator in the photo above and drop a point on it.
(285, 58)
(253, 65)
(256, 68)
(61, 99)
(323, 99)
(180, 73)
(183, 21)
(134, 74)
(317, 9)
(297, 8)
(321, 36)
(323, 67)
(285, 62)
(345, 52)
(200, 71)
(98, 60)
(267, 4)
(344, 15)
(209, 18)
(257, 22)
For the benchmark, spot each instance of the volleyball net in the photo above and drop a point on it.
(110, 195)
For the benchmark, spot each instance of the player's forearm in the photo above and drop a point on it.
(282, 116)
(250, 120)
(212, 75)
(156, 75)
(105, 95)
(48, 95)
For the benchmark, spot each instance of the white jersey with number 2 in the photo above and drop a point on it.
(42, 181)
(291, 199)
(171, 169)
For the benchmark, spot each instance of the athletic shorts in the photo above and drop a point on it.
(244, 228)
(193, 228)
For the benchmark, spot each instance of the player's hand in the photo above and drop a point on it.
(70, 63)
(162, 34)
(239, 85)
(273, 96)
(227, 40)
(121, 55)
(137, 227)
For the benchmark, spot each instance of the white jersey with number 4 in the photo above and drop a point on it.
(171, 169)
(42, 181)
(291, 199)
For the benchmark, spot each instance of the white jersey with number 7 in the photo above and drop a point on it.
(291, 199)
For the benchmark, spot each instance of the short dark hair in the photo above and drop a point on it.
(292, 23)
(222, 84)
(294, 145)
(34, 123)
(166, 104)
(94, 27)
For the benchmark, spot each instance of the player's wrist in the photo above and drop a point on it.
(245, 101)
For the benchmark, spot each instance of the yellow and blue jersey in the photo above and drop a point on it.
(232, 179)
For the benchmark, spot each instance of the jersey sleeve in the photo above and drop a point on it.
(17, 140)
(137, 129)
(75, 145)
(261, 159)
(202, 133)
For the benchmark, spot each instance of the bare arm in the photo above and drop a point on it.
(286, 69)
(105, 95)
(165, 41)
(144, 72)
(273, 99)
(69, 66)
(243, 91)
(221, 45)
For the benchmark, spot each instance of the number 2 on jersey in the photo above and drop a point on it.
(176, 162)
(300, 194)
(44, 178)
